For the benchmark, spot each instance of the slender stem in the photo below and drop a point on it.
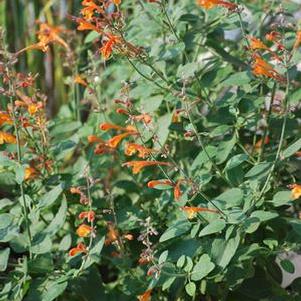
(19, 158)
(268, 122)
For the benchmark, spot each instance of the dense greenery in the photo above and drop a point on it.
(149, 150)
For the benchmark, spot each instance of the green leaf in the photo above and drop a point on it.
(4, 256)
(264, 215)
(51, 196)
(163, 124)
(230, 198)
(152, 103)
(259, 171)
(224, 150)
(190, 289)
(187, 71)
(237, 79)
(176, 230)
(163, 257)
(42, 264)
(91, 36)
(5, 220)
(292, 149)
(181, 261)
(20, 173)
(58, 221)
(288, 266)
(213, 227)
(229, 251)
(236, 161)
(162, 186)
(94, 254)
(281, 198)
(172, 51)
(203, 267)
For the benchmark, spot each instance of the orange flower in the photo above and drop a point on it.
(154, 183)
(28, 103)
(207, 4)
(146, 118)
(5, 118)
(109, 126)
(261, 67)
(191, 211)
(298, 154)
(94, 139)
(296, 191)
(298, 39)
(85, 25)
(114, 142)
(75, 190)
(83, 230)
(177, 189)
(80, 248)
(146, 296)
(133, 148)
(139, 165)
(89, 9)
(273, 36)
(7, 138)
(30, 173)
(117, 2)
(259, 143)
(47, 34)
(257, 44)
(79, 80)
(112, 234)
(107, 48)
(89, 215)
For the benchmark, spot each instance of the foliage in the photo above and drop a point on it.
(171, 170)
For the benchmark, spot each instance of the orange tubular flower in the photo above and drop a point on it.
(133, 148)
(89, 215)
(94, 139)
(7, 138)
(83, 230)
(110, 126)
(139, 165)
(257, 44)
(47, 34)
(80, 248)
(5, 118)
(154, 183)
(191, 211)
(30, 173)
(79, 80)
(112, 234)
(89, 9)
(114, 142)
(208, 4)
(145, 118)
(146, 296)
(273, 36)
(107, 48)
(259, 143)
(296, 191)
(261, 67)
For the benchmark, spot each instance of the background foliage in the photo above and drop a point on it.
(231, 140)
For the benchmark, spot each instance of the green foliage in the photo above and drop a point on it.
(225, 204)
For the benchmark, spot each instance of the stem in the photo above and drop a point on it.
(19, 158)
